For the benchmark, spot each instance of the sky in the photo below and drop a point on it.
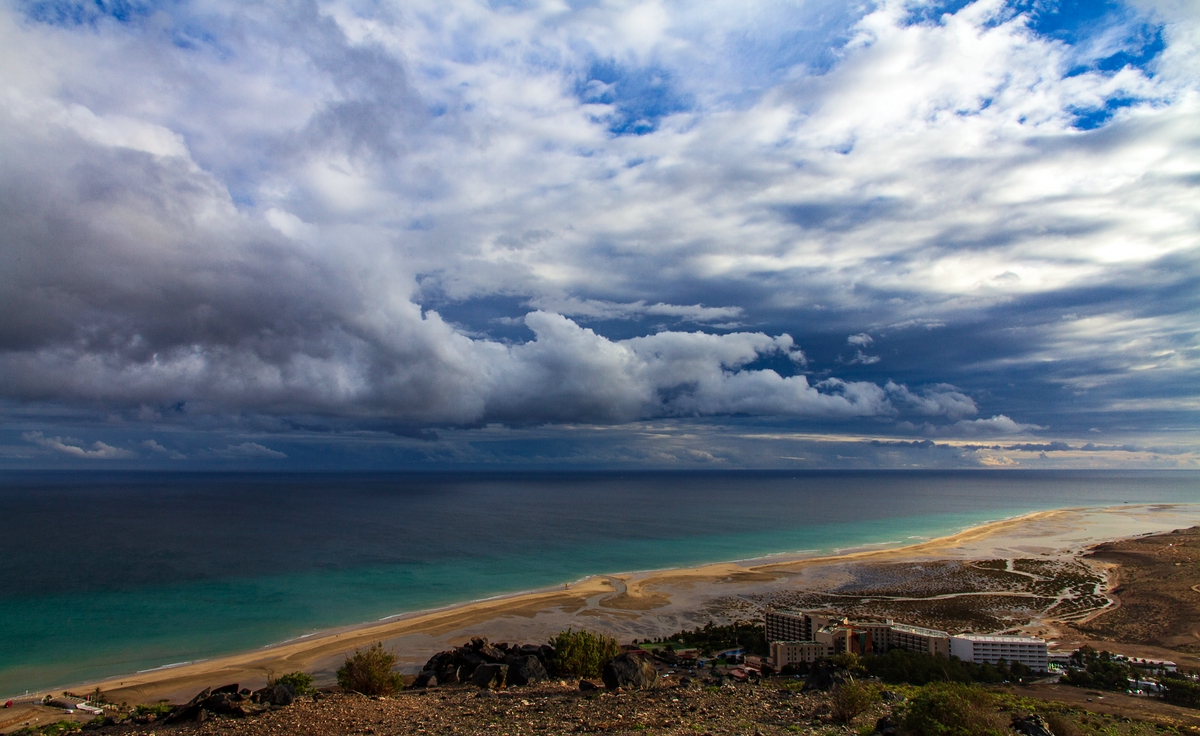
(453, 234)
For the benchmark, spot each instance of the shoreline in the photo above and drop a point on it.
(634, 604)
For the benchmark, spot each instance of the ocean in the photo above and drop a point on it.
(111, 573)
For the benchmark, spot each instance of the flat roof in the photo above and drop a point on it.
(1001, 639)
(918, 630)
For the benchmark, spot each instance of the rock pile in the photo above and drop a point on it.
(491, 666)
(1031, 725)
(229, 700)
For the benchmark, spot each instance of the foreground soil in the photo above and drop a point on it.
(560, 708)
(1156, 585)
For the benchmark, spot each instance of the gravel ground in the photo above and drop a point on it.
(544, 709)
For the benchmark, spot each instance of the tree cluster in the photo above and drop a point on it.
(915, 668)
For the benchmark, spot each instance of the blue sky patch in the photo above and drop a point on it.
(1092, 27)
(86, 12)
(1090, 119)
(640, 96)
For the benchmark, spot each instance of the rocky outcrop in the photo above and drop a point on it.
(523, 664)
(230, 700)
(630, 672)
(278, 694)
(526, 670)
(490, 676)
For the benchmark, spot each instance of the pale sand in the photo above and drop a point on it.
(643, 604)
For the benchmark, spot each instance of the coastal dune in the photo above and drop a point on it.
(643, 604)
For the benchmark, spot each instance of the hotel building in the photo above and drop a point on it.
(1027, 650)
(803, 636)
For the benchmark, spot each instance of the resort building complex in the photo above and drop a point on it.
(806, 636)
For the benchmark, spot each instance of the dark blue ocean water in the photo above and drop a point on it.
(109, 573)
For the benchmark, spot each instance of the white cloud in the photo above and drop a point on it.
(862, 340)
(861, 358)
(99, 450)
(997, 425)
(936, 400)
(158, 449)
(248, 450)
(600, 309)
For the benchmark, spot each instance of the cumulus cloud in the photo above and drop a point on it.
(99, 451)
(997, 425)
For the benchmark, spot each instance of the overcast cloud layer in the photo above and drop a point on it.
(644, 233)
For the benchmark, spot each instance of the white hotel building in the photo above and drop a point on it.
(979, 649)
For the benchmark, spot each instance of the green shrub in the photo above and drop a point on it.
(1060, 725)
(160, 708)
(918, 668)
(846, 660)
(300, 682)
(749, 635)
(951, 709)
(582, 653)
(850, 699)
(1098, 670)
(1180, 691)
(369, 672)
(50, 729)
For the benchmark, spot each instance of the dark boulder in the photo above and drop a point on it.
(425, 678)
(490, 676)
(276, 694)
(588, 687)
(1031, 725)
(188, 711)
(226, 689)
(526, 650)
(628, 671)
(439, 661)
(525, 670)
(469, 659)
(227, 704)
(491, 654)
(885, 727)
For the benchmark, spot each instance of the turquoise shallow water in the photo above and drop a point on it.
(148, 570)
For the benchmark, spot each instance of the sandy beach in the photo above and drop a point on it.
(644, 604)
